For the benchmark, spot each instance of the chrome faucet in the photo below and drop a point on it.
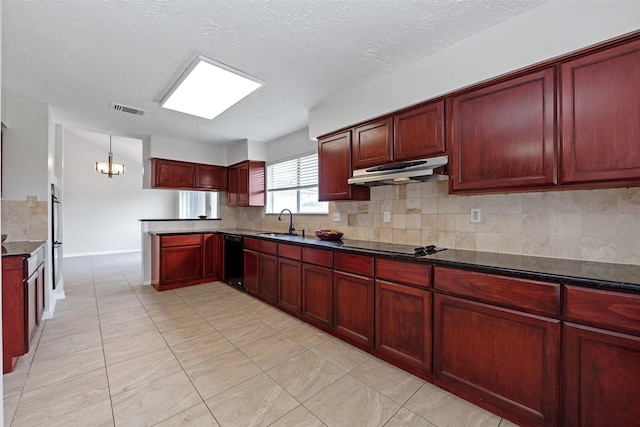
(291, 229)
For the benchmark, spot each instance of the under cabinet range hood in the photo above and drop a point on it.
(401, 173)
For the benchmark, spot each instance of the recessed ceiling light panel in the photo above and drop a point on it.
(208, 88)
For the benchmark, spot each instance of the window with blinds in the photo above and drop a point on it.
(293, 184)
(195, 203)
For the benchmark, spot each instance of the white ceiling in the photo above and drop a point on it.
(80, 56)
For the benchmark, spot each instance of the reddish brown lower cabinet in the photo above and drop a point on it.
(353, 308)
(268, 278)
(403, 325)
(179, 260)
(317, 294)
(23, 287)
(250, 265)
(602, 377)
(212, 256)
(504, 360)
(289, 278)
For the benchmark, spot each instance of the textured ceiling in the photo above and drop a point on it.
(80, 56)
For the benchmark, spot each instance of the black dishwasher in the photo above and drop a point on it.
(233, 260)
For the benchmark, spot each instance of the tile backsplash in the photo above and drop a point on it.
(25, 220)
(596, 225)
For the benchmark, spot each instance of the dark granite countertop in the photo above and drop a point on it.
(176, 219)
(23, 249)
(625, 277)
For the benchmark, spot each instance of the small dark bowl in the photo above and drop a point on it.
(329, 235)
(202, 216)
(4, 237)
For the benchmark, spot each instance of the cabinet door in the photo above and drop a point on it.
(372, 144)
(334, 169)
(317, 295)
(289, 285)
(210, 177)
(503, 135)
(31, 297)
(180, 264)
(172, 174)
(601, 116)
(243, 184)
(232, 186)
(211, 256)
(403, 324)
(507, 359)
(250, 278)
(267, 277)
(40, 291)
(353, 308)
(419, 132)
(601, 377)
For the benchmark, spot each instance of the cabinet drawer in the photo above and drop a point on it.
(317, 256)
(608, 309)
(253, 244)
(410, 273)
(353, 263)
(268, 247)
(289, 251)
(527, 295)
(182, 240)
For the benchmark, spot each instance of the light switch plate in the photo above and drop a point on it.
(387, 217)
(336, 216)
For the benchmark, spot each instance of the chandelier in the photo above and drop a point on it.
(109, 168)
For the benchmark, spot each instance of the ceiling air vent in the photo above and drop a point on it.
(125, 109)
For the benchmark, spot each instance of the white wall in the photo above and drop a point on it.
(25, 148)
(100, 215)
(291, 145)
(545, 32)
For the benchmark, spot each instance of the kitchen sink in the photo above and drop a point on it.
(269, 234)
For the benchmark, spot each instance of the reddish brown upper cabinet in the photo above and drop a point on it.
(419, 132)
(601, 116)
(503, 136)
(334, 169)
(211, 177)
(246, 183)
(372, 144)
(174, 174)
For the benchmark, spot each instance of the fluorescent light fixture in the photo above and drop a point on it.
(207, 88)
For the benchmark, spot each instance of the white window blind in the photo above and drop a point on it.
(195, 203)
(293, 184)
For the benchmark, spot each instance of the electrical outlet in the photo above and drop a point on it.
(387, 217)
(336, 216)
(476, 215)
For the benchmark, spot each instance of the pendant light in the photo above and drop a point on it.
(109, 168)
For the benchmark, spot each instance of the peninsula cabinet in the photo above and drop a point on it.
(289, 277)
(185, 259)
(601, 116)
(334, 169)
(403, 314)
(372, 144)
(317, 287)
(505, 359)
(353, 291)
(601, 358)
(503, 136)
(419, 132)
(246, 183)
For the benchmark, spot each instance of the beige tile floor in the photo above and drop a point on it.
(119, 353)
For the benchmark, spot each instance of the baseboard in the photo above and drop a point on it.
(79, 254)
